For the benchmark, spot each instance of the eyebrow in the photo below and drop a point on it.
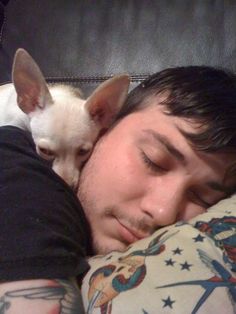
(164, 140)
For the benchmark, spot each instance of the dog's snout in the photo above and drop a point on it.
(69, 174)
(74, 186)
(72, 181)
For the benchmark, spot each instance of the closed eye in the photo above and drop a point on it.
(197, 199)
(150, 164)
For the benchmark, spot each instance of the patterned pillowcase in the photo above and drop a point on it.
(183, 268)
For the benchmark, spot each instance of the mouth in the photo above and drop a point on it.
(129, 234)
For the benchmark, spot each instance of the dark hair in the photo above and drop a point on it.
(205, 95)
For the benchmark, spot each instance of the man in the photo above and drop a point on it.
(168, 157)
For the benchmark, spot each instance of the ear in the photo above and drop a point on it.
(30, 85)
(106, 101)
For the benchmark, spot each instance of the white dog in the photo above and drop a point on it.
(64, 127)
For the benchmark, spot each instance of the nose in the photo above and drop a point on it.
(71, 179)
(68, 173)
(73, 183)
(164, 203)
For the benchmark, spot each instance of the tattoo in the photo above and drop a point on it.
(4, 305)
(65, 292)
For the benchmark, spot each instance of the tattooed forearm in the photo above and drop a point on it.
(41, 296)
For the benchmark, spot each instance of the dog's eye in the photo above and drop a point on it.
(46, 153)
(83, 151)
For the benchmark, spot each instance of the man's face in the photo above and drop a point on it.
(143, 175)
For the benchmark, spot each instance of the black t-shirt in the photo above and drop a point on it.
(43, 229)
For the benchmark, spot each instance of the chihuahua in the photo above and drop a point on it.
(64, 126)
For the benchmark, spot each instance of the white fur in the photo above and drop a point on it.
(10, 113)
(60, 121)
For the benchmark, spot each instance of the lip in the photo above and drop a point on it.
(129, 235)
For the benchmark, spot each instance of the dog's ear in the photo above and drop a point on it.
(31, 88)
(106, 101)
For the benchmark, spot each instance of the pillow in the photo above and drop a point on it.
(183, 268)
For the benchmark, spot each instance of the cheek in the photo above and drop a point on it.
(119, 173)
(127, 173)
(190, 212)
(119, 177)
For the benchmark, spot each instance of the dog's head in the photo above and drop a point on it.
(64, 126)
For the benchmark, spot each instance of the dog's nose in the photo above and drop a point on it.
(68, 173)
(74, 187)
(73, 181)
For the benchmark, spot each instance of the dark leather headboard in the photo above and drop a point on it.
(83, 42)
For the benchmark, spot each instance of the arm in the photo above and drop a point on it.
(42, 233)
(40, 296)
